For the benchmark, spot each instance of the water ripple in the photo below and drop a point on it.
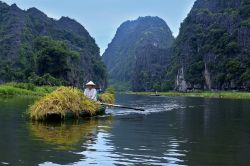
(149, 109)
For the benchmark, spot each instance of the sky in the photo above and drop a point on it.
(102, 17)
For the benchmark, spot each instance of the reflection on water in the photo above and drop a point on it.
(172, 131)
(64, 135)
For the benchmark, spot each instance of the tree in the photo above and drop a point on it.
(54, 57)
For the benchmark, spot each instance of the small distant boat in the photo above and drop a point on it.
(155, 94)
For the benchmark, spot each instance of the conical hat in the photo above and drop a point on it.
(91, 83)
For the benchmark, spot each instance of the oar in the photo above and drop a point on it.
(122, 106)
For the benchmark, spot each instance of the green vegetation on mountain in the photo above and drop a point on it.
(137, 57)
(44, 51)
(53, 59)
(212, 50)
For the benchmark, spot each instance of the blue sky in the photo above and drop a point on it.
(102, 17)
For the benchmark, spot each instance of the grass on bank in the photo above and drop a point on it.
(24, 89)
(204, 94)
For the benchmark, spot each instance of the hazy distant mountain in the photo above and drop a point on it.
(137, 57)
(212, 50)
(21, 32)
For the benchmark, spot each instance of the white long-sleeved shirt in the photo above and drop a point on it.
(91, 93)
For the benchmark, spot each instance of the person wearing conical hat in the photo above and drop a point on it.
(90, 91)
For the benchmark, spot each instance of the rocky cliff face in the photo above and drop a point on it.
(19, 30)
(212, 50)
(137, 57)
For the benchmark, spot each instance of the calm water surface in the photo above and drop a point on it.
(172, 131)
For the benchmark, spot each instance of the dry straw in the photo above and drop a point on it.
(66, 100)
(107, 98)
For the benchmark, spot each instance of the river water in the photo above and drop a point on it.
(172, 131)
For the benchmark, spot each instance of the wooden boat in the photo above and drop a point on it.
(70, 115)
(65, 103)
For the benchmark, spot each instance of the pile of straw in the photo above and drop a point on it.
(107, 98)
(61, 101)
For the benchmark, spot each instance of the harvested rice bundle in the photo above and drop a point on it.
(62, 101)
(107, 98)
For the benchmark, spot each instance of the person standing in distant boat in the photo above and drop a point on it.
(90, 91)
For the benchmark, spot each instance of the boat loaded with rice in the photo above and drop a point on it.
(68, 102)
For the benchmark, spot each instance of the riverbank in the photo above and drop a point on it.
(24, 89)
(203, 94)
